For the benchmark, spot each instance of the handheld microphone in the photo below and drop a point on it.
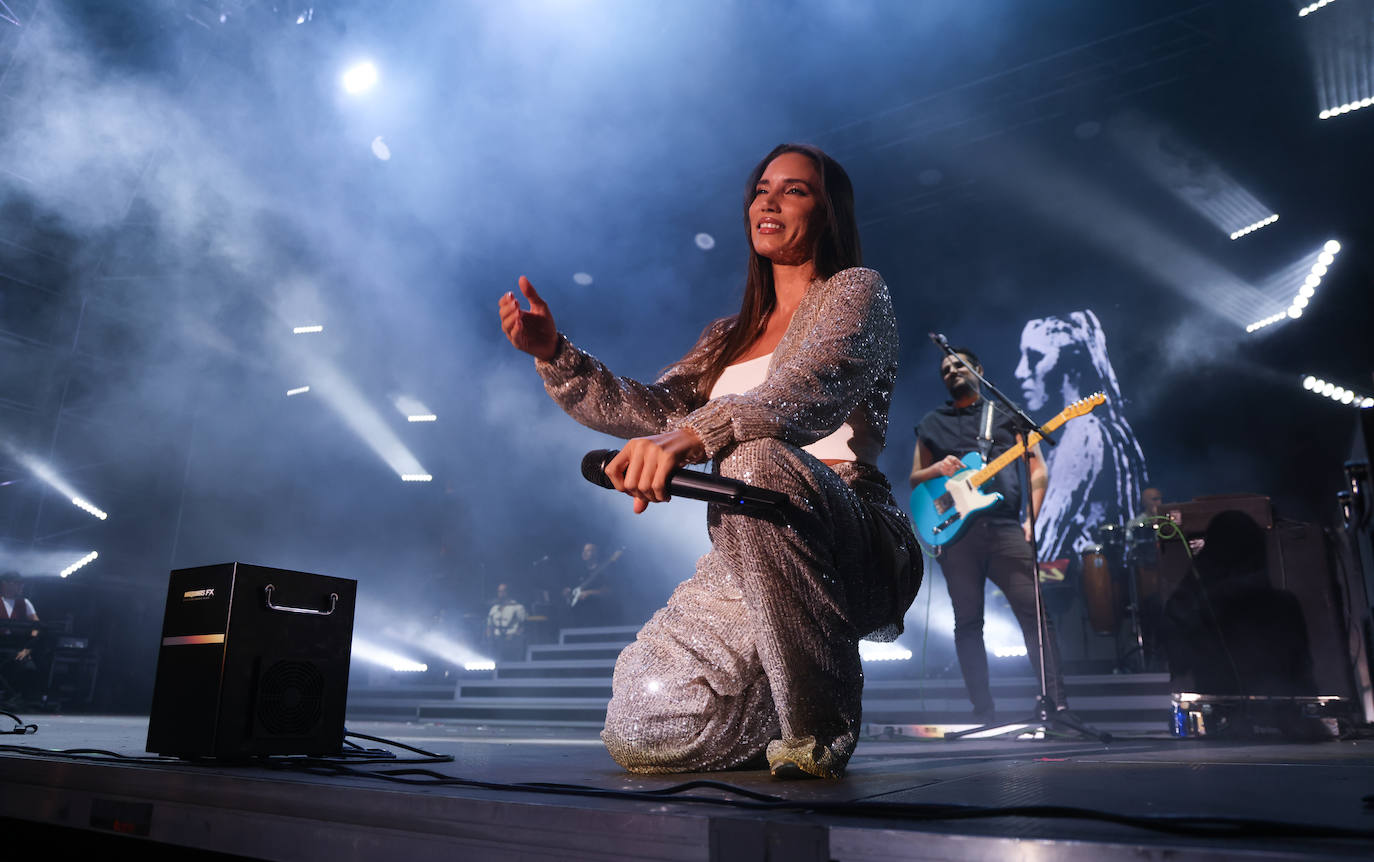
(692, 484)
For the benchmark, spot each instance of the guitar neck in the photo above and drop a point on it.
(995, 466)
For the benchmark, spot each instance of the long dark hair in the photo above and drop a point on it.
(837, 248)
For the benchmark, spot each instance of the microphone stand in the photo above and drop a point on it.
(1047, 716)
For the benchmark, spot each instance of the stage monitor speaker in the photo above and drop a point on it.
(254, 661)
(1296, 561)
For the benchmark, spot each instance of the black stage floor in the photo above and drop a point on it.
(270, 811)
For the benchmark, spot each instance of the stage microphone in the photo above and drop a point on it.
(692, 484)
(940, 340)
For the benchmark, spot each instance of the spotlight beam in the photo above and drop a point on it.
(358, 414)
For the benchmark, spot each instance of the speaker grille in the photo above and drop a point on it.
(291, 698)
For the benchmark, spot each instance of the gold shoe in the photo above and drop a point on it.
(802, 758)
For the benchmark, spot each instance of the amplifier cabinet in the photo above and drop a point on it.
(253, 661)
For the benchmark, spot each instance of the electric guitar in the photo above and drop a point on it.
(942, 507)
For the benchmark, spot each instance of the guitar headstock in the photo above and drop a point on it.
(1084, 406)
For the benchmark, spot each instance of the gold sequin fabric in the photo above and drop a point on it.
(760, 645)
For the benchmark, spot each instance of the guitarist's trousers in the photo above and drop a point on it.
(995, 549)
(761, 644)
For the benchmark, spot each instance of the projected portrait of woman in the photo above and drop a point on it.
(756, 655)
(1097, 471)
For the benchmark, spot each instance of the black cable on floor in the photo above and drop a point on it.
(20, 728)
(1199, 826)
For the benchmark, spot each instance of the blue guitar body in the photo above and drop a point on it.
(941, 507)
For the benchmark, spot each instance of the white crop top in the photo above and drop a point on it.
(743, 376)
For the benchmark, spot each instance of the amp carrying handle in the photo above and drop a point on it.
(333, 604)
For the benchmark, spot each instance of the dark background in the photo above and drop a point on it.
(183, 182)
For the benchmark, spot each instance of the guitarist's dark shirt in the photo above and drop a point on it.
(951, 430)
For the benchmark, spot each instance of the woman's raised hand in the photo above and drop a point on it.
(642, 468)
(532, 331)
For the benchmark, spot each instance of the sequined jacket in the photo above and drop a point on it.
(837, 362)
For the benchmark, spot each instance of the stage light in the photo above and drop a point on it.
(1347, 397)
(1268, 321)
(873, 651)
(380, 149)
(1367, 402)
(583, 278)
(78, 564)
(82, 504)
(1309, 382)
(705, 241)
(482, 664)
(1345, 109)
(416, 477)
(413, 409)
(360, 77)
(299, 390)
(1009, 651)
(373, 654)
(1313, 7)
(357, 411)
(1327, 388)
(302, 330)
(1251, 228)
(1322, 262)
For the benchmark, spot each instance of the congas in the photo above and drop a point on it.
(1111, 538)
(1143, 537)
(1100, 594)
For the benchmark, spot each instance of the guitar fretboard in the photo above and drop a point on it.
(1078, 408)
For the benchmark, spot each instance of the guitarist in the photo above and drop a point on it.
(995, 545)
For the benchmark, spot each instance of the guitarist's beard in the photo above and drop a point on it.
(963, 389)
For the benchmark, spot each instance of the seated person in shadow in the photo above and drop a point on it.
(20, 650)
(1228, 631)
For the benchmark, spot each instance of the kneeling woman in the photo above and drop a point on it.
(758, 651)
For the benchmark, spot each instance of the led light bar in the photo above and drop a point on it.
(1339, 394)
(423, 417)
(89, 507)
(302, 330)
(1328, 113)
(299, 390)
(1308, 10)
(1251, 228)
(78, 564)
(1009, 651)
(416, 477)
(479, 665)
(1306, 291)
(1268, 321)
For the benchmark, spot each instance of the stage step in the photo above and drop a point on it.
(568, 683)
(518, 688)
(556, 669)
(602, 634)
(561, 651)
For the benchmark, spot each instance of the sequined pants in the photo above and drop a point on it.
(761, 643)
